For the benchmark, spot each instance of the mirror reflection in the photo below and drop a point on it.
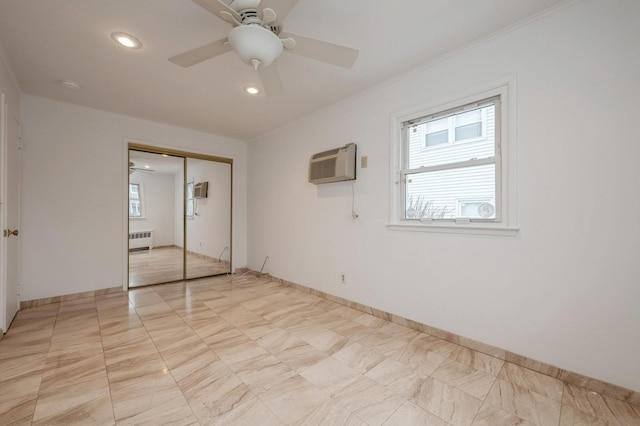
(177, 229)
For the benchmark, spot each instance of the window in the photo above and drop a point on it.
(451, 166)
(135, 209)
(190, 200)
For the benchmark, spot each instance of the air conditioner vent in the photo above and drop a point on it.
(325, 154)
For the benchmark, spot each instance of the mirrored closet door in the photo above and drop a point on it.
(179, 216)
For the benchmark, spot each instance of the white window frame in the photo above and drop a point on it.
(505, 222)
(451, 128)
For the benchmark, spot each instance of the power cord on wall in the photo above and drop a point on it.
(354, 215)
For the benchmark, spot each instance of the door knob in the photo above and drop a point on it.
(8, 232)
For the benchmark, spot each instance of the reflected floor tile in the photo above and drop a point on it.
(330, 375)
(396, 376)
(17, 410)
(421, 359)
(477, 360)
(493, 416)
(360, 358)
(329, 414)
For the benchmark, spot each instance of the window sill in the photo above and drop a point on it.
(137, 218)
(460, 228)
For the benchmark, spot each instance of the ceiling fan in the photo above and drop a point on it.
(133, 168)
(258, 39)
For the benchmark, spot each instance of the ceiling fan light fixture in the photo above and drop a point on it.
(255, 45)
(126, 40)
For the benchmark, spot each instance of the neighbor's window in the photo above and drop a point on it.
(135, 209)
(452, 170)
(190, 199)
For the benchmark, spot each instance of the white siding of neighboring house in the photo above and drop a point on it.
(446, 189)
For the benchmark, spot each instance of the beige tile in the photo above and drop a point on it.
(434, 344)
(151, 399)
(329, 414)
(411, 414)
(84, 403)
(474, 382)
(369, 401)
(477, 360)
(330, 375)
(447, 402)
(599, 406)
(571, 416)
(17, 410)
(396, 376)
(294, 399)
(524, 403)
(531, 380)
(360, 358)
(421, 359)
(493, 416)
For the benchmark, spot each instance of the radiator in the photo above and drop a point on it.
(140, 240)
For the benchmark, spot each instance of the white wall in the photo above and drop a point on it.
(564, 291)
(74, 227)
(158, 209)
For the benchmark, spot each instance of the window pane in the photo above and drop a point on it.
(134, 190)
(189, 190)
(437, 138)
(134, 208)
(469, 131)
(422, 136)
(190, 208)
(449, 194)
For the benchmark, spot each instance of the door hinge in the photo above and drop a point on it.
(19, 143)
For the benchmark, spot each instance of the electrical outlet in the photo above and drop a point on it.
(343, 278)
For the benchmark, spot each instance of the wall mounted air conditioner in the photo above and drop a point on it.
(200, 190)
(334, 165)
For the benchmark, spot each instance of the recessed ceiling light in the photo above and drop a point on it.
(126, 40)
(70, 84)
(146, 166)
(252, 90)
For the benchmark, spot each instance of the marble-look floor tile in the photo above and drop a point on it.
(84, 403)
(531, 380)
(522, 402)
(329, 414)
(474, 382)
(294, 399)
(493, 416)
(369, 401)
(151, 399)
(411, 414)
(447, 402)
(360, 358)
(599, 406)
(477, 360)
(396, 376)
(330, 375)
(251, 351)
(421, 359)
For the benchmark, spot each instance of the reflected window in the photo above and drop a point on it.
(135, 209)
(190, 200)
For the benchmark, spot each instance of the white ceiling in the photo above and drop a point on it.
(46, 41)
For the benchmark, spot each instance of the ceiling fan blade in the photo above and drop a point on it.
(217, 6)
(281, 7)
(201, 54)
(319, 50)
(271, 82)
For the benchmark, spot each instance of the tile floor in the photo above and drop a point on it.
(246, 352)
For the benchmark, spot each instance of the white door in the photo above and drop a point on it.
(9, 214)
